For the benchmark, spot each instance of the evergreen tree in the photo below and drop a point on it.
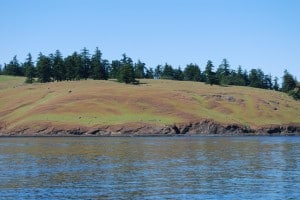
(86, 63)
(246, 78)
(43, 68)
(289, 83)
(115, 68)
(79, 69)
(139, 68)
(158, 72)
(178, 74)
(267, 82)
(255, 78)
(59, 70)
(149, 73)
(14, 68)
(192, 73)
(210, 75)
(70, 65)
(276, 85)
(295, 93)
(99, 72)
(126, 72)
(223, 73)
(106, 67)
(29, 69)
(240, 77)
(168, 72)
(0, 69)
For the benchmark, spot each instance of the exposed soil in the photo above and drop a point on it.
(201, 128)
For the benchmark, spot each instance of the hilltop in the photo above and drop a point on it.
(94, 107)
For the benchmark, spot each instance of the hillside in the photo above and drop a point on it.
(155, 106)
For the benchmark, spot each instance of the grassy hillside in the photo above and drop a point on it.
(90, 103)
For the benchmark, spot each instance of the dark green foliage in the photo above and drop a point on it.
(83, 66)
(223, 73)
(126, 71)
(13, 68)
(192, 73)
(240, 79)
(237, 77)
(211, 77)
(276, 85)
(246, 78)
(73, 67)
(58, 67)
(256, 78)
(295, 93)
(29, 69)
(43, 66)
(149, 73)
(168, 72)
(126, 74)
(158, 72)
(267, 82)
(106, 68)
(115, 68)
(86, 64)
(289, 83)
(98, 68)
(178, 74)
(139, 69)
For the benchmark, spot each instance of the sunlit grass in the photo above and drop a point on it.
(93, 103)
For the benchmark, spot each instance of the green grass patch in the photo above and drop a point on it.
(87, 119)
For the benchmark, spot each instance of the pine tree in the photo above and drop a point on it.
(192, 73)
(99, 72)
(178, 74)
(139, 68)
(267, 82)
(86, 63)
(223, 73)
(158, 72)
(59, 70)
(168, 72)
(29, 69)
(106, 67)
(115, 69)
(14, 68)
(276, 85)
(126, 72)
(43, 68)
(78, 65)
(70, 66)
(255, 78)
(240, 77)
(210, 75)
(289, 83)
(149, 73)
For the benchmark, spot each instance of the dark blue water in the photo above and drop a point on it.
(150, 168)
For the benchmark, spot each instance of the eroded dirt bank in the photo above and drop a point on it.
(204, 127)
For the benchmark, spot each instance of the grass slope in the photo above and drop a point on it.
(97, 103)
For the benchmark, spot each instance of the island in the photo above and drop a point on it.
(151, 108)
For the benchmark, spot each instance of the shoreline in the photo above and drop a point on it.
(202, 128)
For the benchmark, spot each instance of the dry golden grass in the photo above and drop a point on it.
(90, 103)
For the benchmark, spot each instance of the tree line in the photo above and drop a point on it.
(83, 65)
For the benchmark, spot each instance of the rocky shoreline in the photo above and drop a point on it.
(201, 128)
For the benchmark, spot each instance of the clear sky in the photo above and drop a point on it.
(252, 33)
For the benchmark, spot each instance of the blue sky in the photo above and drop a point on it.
(251, 33)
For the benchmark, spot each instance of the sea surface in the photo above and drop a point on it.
(150, 168)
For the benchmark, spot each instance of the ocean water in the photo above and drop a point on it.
(150, 168)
